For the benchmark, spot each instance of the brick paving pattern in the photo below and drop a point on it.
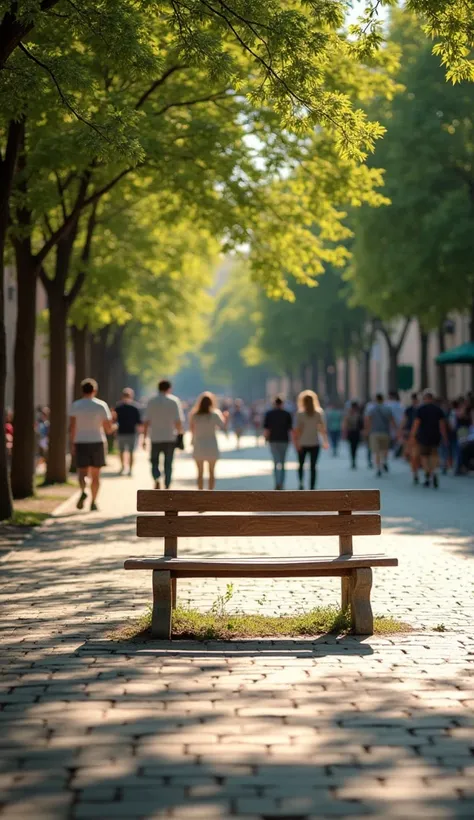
(300, 729)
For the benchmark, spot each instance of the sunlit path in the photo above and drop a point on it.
(92, 728)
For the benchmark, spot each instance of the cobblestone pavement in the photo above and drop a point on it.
(381, 727)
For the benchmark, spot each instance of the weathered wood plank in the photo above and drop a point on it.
(207, 566)
(161, 613)
(345, 548)
(171, 551)
(194, 526)
(257, 501)
(361, 609)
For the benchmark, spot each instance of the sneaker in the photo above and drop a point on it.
(416, 480)
(379, 473)
(157, 484)
(94, 507)
(435, 482)
(130, 473)
(121, 471)
(300, 487)
(385, 466)
(80, 503)
(427, 482)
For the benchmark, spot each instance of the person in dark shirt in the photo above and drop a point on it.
(277, 428)
(128, 418)
(428, 430)
(411, 451)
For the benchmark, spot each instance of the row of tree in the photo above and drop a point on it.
(135, 138)
(408, 260)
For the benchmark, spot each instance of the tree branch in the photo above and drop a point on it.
(62, 96)
(13, 30)
(156, 84)
(219, 95)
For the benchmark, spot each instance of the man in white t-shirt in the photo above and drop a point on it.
(164, 419)
(89, 420)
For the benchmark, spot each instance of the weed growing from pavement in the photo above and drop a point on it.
(219, 624)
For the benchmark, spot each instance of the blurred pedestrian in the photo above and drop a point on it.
(308, 435)
(429, 430)
(239, 420)
(352, 426)
(90, 420)
(164, 419)
(379, 425)
(128, 418)
(334, 417)
(205, 421)
(277, 426)
(411, 450)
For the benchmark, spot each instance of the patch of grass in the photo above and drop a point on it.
(439, 628)
(191, 624)
(27, 518)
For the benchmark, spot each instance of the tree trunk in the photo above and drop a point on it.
(366, 379)
(423, 358)
(80, 344)
(303, 376)
(24, 439)
(394, 350)
(442, 373)
(7, 170)
(58, 311)
(392, 368)
(291, 385)
(471, 338)
(315, 374)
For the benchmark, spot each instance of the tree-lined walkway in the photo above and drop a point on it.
(381, 727)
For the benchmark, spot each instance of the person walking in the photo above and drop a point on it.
(379, 423)
(410, 447)
(164, 419)
(352, 425)
(277, 428)
(90, 420)
(308, 434)
(429, 430)
(128, 418)
(334, 426)
(205, 420)
(239, 420)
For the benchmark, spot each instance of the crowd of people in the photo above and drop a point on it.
(430, 434)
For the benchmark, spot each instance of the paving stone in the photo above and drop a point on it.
(206, 726)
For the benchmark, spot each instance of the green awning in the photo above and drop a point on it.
(464, 354)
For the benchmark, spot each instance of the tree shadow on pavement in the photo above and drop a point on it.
(263, 729)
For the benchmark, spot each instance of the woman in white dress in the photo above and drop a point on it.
(205, 420)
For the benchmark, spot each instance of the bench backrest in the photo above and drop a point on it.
(318, 512)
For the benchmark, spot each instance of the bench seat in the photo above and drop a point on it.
(265, 567)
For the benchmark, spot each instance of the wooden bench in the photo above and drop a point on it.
(315, 513)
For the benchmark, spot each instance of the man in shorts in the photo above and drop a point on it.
(379, 423)
(429, 429)
(128, 418)
(89, 421)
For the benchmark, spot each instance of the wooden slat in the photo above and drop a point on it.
(194, 526)
(258, 501)
(208, 566)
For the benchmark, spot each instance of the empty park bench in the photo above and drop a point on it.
(314, 513)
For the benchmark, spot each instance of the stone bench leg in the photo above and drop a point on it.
(162, 605)
(361, 610)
